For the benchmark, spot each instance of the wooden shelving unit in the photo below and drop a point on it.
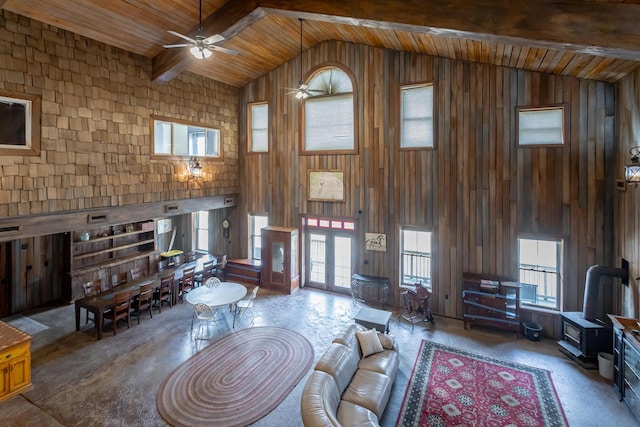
(110, 250)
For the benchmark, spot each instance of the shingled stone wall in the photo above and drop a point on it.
(96, 106)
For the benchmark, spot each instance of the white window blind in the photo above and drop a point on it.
(329, 123)
(259, 142)
(417, 117)
(541, 126)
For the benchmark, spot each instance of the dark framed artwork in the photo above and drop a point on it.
(19, 124)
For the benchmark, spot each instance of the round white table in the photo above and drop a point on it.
(224, 294)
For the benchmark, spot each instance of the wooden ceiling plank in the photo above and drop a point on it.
(229, 20)
(576, 26)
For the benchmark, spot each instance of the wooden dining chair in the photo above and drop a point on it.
(139, 273)
(220, 267)
(178, 260)
(163, 265)
(186, 284)
(143, 301)
(121, 310)
(192, 256)
(163, 293)
(206, 273)
(118, 279)
(91, 288)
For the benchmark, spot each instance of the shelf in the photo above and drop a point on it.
(114, 249)
(111, 262)
(110, 237)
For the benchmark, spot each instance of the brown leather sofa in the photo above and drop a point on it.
(346, 389)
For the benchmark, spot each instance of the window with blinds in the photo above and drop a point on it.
(329, 113)
(540, 126)
(258, 127)
(416, 117)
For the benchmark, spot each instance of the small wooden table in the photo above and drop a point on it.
(373, 318)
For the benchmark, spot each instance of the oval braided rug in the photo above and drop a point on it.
(237, 380)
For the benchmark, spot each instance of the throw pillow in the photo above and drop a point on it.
(386, 341)
(369, 342)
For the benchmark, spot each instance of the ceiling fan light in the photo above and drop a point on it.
(301, 94)
(200, 52)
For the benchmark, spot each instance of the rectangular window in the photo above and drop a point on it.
(256, 224)
(540, 126)
(416, 117)
(202, 231)
(181, 139)
(416, 257)
(540, 266)
(258, 127)
(329, 123)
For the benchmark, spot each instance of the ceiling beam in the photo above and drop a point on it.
(229, 20)
(596, 28)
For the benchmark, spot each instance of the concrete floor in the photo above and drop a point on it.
(78, 380)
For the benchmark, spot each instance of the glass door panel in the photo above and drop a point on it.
(317, 259)
(342, 262)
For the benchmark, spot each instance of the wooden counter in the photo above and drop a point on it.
(15, 361)
(244, 271)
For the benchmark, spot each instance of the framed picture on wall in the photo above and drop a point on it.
(19, 124)
(326, 186)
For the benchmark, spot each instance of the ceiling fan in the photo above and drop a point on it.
(302, 91)
(200, 46)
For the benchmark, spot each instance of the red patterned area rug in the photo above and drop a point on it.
(237, 380)
(453, 387)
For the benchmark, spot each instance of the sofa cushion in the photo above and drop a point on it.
(369, 342)
(348, 336)
(341, 363)
(320, 400)
(370, 390)
(354, 415)
(384, 363)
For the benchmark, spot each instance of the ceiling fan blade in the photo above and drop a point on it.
(223, 49)
(182, 36)
(214, 39)
(178, 45)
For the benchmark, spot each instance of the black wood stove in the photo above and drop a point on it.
(586, 333)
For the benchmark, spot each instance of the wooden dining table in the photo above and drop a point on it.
(178, 272)
(102, 302)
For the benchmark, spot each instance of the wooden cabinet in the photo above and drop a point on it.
(15, 361)
(491, 301)
(244, 271)
(110, 250)
(626, 362)
(280, 264)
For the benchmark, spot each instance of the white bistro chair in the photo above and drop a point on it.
(245, 305)
(205, 316)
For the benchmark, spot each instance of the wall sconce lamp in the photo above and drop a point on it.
(196, 169)
(632, 171)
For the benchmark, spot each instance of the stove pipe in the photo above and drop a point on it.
(592, 286)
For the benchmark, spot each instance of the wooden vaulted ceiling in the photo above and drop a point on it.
(592, 39)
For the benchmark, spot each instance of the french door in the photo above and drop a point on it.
(329, 259)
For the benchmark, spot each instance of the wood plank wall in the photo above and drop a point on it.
(476, 191)
(628, 201)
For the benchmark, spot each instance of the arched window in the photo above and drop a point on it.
(329, 113)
